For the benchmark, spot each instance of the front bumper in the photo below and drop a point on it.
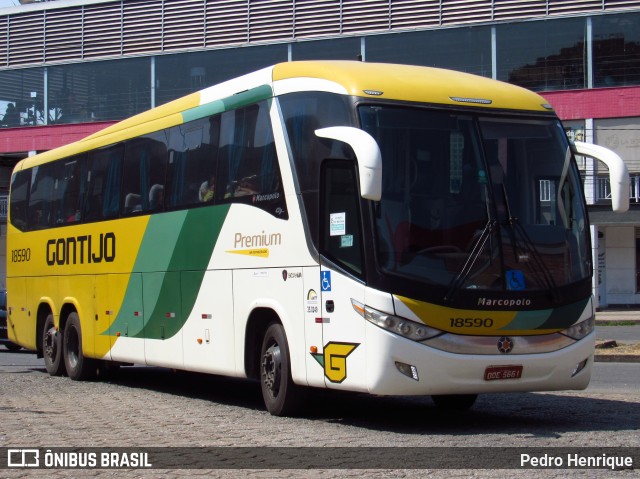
(443, 372)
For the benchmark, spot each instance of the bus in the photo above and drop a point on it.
(377, 228)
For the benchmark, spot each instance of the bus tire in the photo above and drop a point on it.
(52, 347)
(78, 366)
(454, 402)
(281, 396)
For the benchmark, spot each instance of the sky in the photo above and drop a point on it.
(8, 3)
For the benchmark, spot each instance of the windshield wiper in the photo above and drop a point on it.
(529, 251)
(465, 272)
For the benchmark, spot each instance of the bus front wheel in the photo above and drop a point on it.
(281, 396)
(78, 366)
(52, 347)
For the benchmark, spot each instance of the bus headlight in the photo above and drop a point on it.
(581, 329)
(401, 326)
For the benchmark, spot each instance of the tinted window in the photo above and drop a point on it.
(69, 190)
(542, 55)
(103, 183)
(616, 50)
(192, 162)
(43, 184)
(248, 169)
(341, 231)
(143, 179)
(19, 191)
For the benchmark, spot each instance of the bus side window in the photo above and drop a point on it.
(69, 191)
(103, 183)
(18, 204)
(143, 175)
(193, 162)
(248, 161)
(341, 226)
(43, 185)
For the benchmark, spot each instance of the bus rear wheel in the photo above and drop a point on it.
(454, 402)
(78, 366)
(52, 347)
(281, 396)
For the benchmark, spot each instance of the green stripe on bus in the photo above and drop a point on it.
(556, 318)
(175, 245)
(236, 101)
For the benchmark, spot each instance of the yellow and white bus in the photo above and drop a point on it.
(389, 229)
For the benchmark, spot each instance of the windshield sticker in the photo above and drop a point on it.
(515, 280)
(346, 241)
(337, 224)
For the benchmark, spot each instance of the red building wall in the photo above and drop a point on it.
(42, 138)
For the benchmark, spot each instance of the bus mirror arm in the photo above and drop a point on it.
(367, 154)
(618, 172)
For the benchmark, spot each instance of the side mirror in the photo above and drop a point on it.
(367, 154)
(618, 172)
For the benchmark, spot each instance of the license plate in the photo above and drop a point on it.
(498, 373)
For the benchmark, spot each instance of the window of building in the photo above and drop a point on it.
(542, 55)
(179, 75)
(93, 91)
(21, 97)
(616, 50)
(464, 49)
(334, 49)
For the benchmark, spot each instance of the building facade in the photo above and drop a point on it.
(71, 67)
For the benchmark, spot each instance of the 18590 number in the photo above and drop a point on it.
(471, 322)
(20, 255)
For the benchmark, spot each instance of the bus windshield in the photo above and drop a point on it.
(473, 202)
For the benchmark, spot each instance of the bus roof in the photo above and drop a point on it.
(415, 84)
(368, 80)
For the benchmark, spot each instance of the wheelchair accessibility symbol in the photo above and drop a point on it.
(515, 280)
(326, 280)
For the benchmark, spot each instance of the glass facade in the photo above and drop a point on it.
(94, 91)
(616, 50)
(179, 75)
(338, 49)
(541, 55)
(545, 55)
(21, 97)
(465, 49)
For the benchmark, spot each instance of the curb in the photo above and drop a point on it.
(616, 358)
(616, 322)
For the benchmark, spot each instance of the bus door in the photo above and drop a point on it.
(343, 353)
